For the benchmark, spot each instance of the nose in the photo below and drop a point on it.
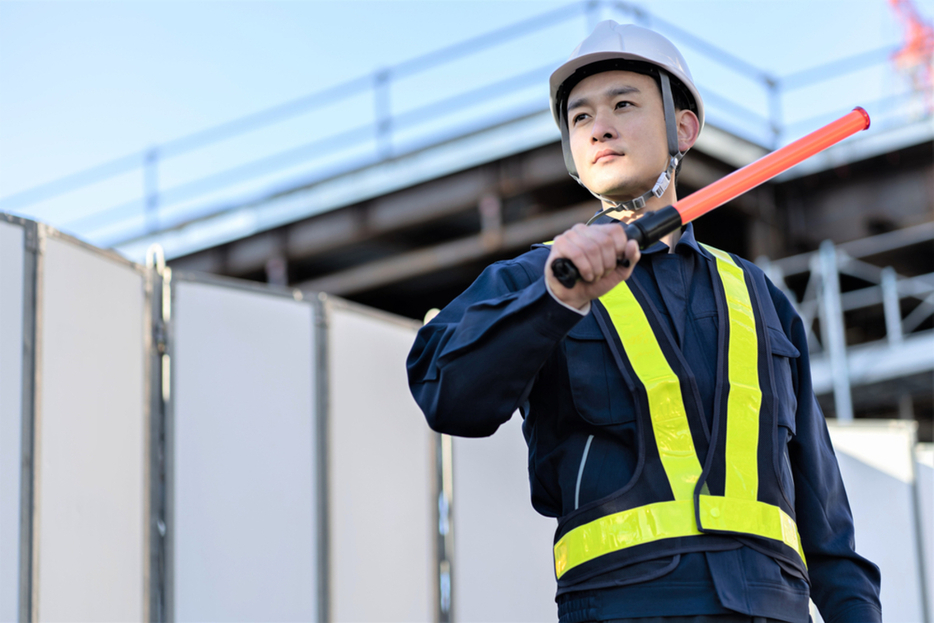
(602, 129)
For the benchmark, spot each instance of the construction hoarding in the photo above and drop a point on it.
(192, 448)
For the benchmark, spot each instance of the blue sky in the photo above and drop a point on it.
(85, 82)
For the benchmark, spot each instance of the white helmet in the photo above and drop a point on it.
(612, 46)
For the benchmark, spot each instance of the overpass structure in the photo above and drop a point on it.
(402, 212)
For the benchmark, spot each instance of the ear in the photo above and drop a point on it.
(688, 129)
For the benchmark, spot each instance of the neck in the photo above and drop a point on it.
(653, 204)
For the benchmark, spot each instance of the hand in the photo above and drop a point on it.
(594, 250)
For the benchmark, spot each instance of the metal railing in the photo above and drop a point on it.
(823, 303)
(169, 199)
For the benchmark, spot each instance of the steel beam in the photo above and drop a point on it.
(449, 254)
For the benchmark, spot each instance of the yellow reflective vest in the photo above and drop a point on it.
(697, 490)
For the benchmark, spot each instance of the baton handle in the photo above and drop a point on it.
(646, 231)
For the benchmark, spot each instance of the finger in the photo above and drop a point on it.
(588, 242)
(607, 248)
(564, 246)
(613, 241)
(631, 257)
(633, 252)
(616, 240)
(620, 239)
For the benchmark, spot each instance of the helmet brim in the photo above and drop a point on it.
(565, 71)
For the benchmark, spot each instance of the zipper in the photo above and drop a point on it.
(580, 473)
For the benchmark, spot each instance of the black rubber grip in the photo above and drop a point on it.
(567, 274)
(646, 231)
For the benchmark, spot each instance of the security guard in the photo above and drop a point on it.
(667, 402)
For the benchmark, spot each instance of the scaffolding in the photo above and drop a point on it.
(874, 336)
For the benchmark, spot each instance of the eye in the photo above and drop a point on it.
(578, 117)
(623, 104)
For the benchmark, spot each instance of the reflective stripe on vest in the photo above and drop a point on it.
(738, 510)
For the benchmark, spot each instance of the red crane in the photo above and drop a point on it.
(916, 56)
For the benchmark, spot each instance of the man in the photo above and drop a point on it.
(667, 398)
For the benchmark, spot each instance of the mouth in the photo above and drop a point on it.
(605, 154)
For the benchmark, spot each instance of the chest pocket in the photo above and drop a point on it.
(600, 395)
(784, 355)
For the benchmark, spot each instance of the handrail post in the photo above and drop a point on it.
(833, 331)
(592, 10)
(638, 14)
(151, 188)
(891, 307)
(382, 113)
(775, 109)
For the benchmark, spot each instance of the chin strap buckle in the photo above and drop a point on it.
(637, 204)
(661, 185)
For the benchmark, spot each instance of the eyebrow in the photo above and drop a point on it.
(611, 93)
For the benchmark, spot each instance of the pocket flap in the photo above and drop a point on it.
(781, 345)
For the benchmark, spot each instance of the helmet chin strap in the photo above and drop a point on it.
(638, 203)
(661, 184)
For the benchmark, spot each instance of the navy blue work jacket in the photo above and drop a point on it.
(506, 344)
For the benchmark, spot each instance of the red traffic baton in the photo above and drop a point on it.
(653, 226)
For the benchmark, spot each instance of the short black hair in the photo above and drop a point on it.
(683, 99)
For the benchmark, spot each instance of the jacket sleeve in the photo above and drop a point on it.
(475, 363)
(844, 585)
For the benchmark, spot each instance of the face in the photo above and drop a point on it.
(616, 122)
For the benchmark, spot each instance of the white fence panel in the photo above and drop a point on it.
(382, 558)
(877, 463)
(243, 492)
(11, 413)
(503, 566)
(244, 507)
(924, 454)
(91, 457)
